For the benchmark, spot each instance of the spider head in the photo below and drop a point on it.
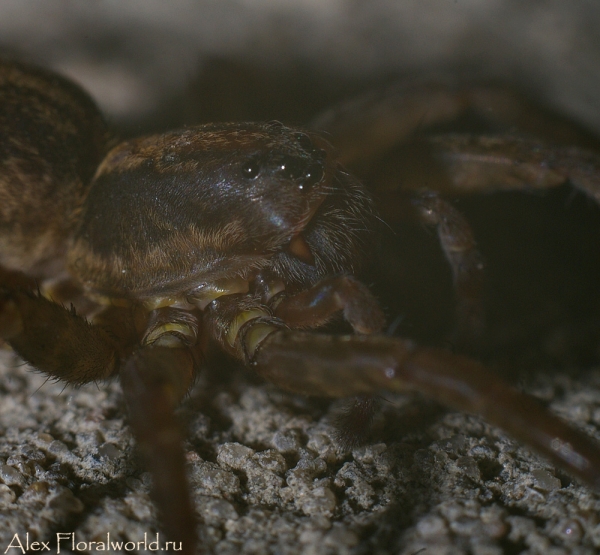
(168, 212)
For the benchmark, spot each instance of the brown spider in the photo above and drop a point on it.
(244, 236)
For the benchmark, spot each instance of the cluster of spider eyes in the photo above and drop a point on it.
(289, 167)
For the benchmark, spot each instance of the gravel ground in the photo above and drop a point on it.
(269, 478)
(267, 474)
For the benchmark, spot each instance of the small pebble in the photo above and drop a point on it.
(11, 476)
(545, 481)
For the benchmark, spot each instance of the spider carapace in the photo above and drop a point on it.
(242, 235)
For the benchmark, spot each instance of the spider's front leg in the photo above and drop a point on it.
(154, 379)
(156, 366)
(155, 375)
(349, 365)
(56, 341)
(352, 365)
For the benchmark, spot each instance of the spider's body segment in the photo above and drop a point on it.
(242, 236)
(41, 143)
(170, 214)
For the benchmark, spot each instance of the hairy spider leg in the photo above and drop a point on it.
(366, 128)
(457, 242)
(317, 305)
(154, 378)
(351, 365)
(339, 366)
(241, 329)
(55, 340)
(504, 163)
(355, 301)
(383, 137)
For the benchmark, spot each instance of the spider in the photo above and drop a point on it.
(246, 237)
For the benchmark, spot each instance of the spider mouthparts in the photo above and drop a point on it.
(299, 248)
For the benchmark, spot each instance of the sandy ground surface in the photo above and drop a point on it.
(266, 472)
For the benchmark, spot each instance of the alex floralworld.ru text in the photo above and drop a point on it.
(21, 544)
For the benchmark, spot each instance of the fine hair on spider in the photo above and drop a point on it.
(247, 237)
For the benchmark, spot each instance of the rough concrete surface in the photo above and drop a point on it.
(266, 471)
(268, 477)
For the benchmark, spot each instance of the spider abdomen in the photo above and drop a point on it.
(52, 137)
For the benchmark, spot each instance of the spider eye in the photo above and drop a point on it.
(312, 176)
(305, 142)
(291, 168)
(251, 169)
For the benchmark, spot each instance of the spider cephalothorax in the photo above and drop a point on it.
(168, 214)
